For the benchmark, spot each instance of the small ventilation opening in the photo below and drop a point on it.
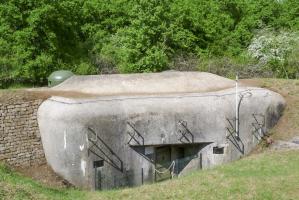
(218, 150)
(98, 163)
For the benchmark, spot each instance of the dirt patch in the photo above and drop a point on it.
(23, 95)
(250, 82)
(45, 175)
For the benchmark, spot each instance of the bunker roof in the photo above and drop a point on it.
(169, 82)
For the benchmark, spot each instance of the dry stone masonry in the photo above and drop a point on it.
(20, 142)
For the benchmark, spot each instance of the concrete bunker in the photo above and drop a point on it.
(127, 137)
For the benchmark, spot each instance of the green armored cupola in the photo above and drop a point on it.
(58, 77)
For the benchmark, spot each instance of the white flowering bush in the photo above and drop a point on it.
(276, 52)
(268, 45)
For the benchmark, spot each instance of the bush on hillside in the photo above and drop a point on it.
(91, 36)
(275, 50)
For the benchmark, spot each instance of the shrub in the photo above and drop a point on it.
(227, 66)
(85, 68)
(275, 51)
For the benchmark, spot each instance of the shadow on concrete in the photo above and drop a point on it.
(233, 136)
(187, 136)
(258, 125)
(135, 136)
(103, 151)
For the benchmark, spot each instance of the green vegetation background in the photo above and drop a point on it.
(105, 36)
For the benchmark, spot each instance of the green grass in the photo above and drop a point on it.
(269, 175)
(14, 86)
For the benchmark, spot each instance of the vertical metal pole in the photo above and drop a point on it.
(100, 180)
(237, 107)
(95, 178)
(200, 160)
(176, 166)
(141, 176)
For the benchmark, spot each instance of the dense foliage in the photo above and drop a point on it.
(104, 36)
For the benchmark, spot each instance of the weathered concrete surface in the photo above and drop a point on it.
(150, 83)
(71, 128)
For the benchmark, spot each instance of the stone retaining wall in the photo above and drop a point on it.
(20, 141)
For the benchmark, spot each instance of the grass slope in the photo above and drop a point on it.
(288, 125)
(262, 176)
(270, 175)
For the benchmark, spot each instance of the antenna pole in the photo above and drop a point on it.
(237, 107)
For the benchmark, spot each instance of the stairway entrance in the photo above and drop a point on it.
(171, 160)
(162, 163)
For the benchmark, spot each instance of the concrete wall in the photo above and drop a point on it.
(20, 141)
(71, 128)
(145, 83)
